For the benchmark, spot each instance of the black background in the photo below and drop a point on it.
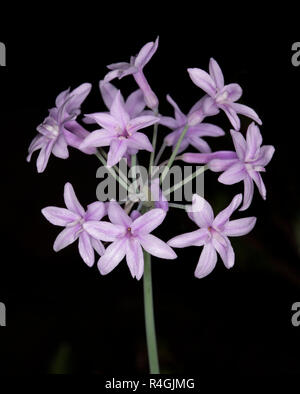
(63, 316)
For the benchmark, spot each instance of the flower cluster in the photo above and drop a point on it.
(123, 129)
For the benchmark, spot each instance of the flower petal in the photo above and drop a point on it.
(135, 103)
(265, 155)
(201, 212)
(141, 122)
(148, 221)
(95, 211)
(233, 174)
(246, 111)
(140, 141)
(105, 120)
(225, 250)
(193, 238)
(97, 138)
(207, 157)
(248, 193)
(135, 258)
(85, 248)
(117, 215)
(98, 246)
(44, 155)
(179, 115)
(206, 130)
(238, 227)
(231, 115)
(117, 149)
(218, 165)
(203, 80)
(207, 261)
(118, 110)
(112, 256)
(199, 144)
(254, 141)
(71, 200)
(104, 231)
(156, 247)
(216, 73)
(77, 96)
(146, 54)
(224, 215)
(60, 216)
(66, 237)
(108, 92)
(259, 183)
(60, 148)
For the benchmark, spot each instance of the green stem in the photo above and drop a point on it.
(154, 140)
(174, 153)
(149, 316)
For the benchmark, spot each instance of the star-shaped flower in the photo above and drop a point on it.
(129, 235)
(222, 96)
(119, 132)
(73, 219)
(213, 234)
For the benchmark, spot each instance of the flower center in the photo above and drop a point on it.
(53, 130)
(221, 97)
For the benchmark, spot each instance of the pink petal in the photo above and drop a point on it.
(201, 212)
(207, 261)
(117, 215)
(225, 214)
(77, 96)
(259, 183)
(233, 174)
(95, 211)
(135, 103)
(265, 155)
(146, 53)
(44, 155)
(60, 148)
(239, 143)
(37, 143)
(66, 237)
(238, 227)
(231, 115)
(148, 221)
(108, 92)
(141, 122)
(71, 200)
(140, 141)
(98, 246)
(206, 130)
(117, 150)
(225, 250)
(118, 110)
(199, 144)
(254, 141)
(135, 258)
(218, 165)
(97, 138)
(61, 98)
(179, 115)
(169, 122)
(248, 193)
(246, 111)
(156, 247)
(105, 120)
(85, 248)
(203, 80)
(216, 73)
(104, 231)
(112, 256)
(194, 238)
(60, 216)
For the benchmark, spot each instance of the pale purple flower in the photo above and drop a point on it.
(119, 132)
(73, 219)
(129, 235)
(245, 164)
(222, 96)
(195, 132)
(60, 129)
(135, 68)
(213, 234)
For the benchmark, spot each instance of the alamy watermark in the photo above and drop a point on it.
(2, 314)
(135, 184)
(296, 55)
(2, 54)
(296, 316)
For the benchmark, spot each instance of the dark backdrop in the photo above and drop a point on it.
(63, 316)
